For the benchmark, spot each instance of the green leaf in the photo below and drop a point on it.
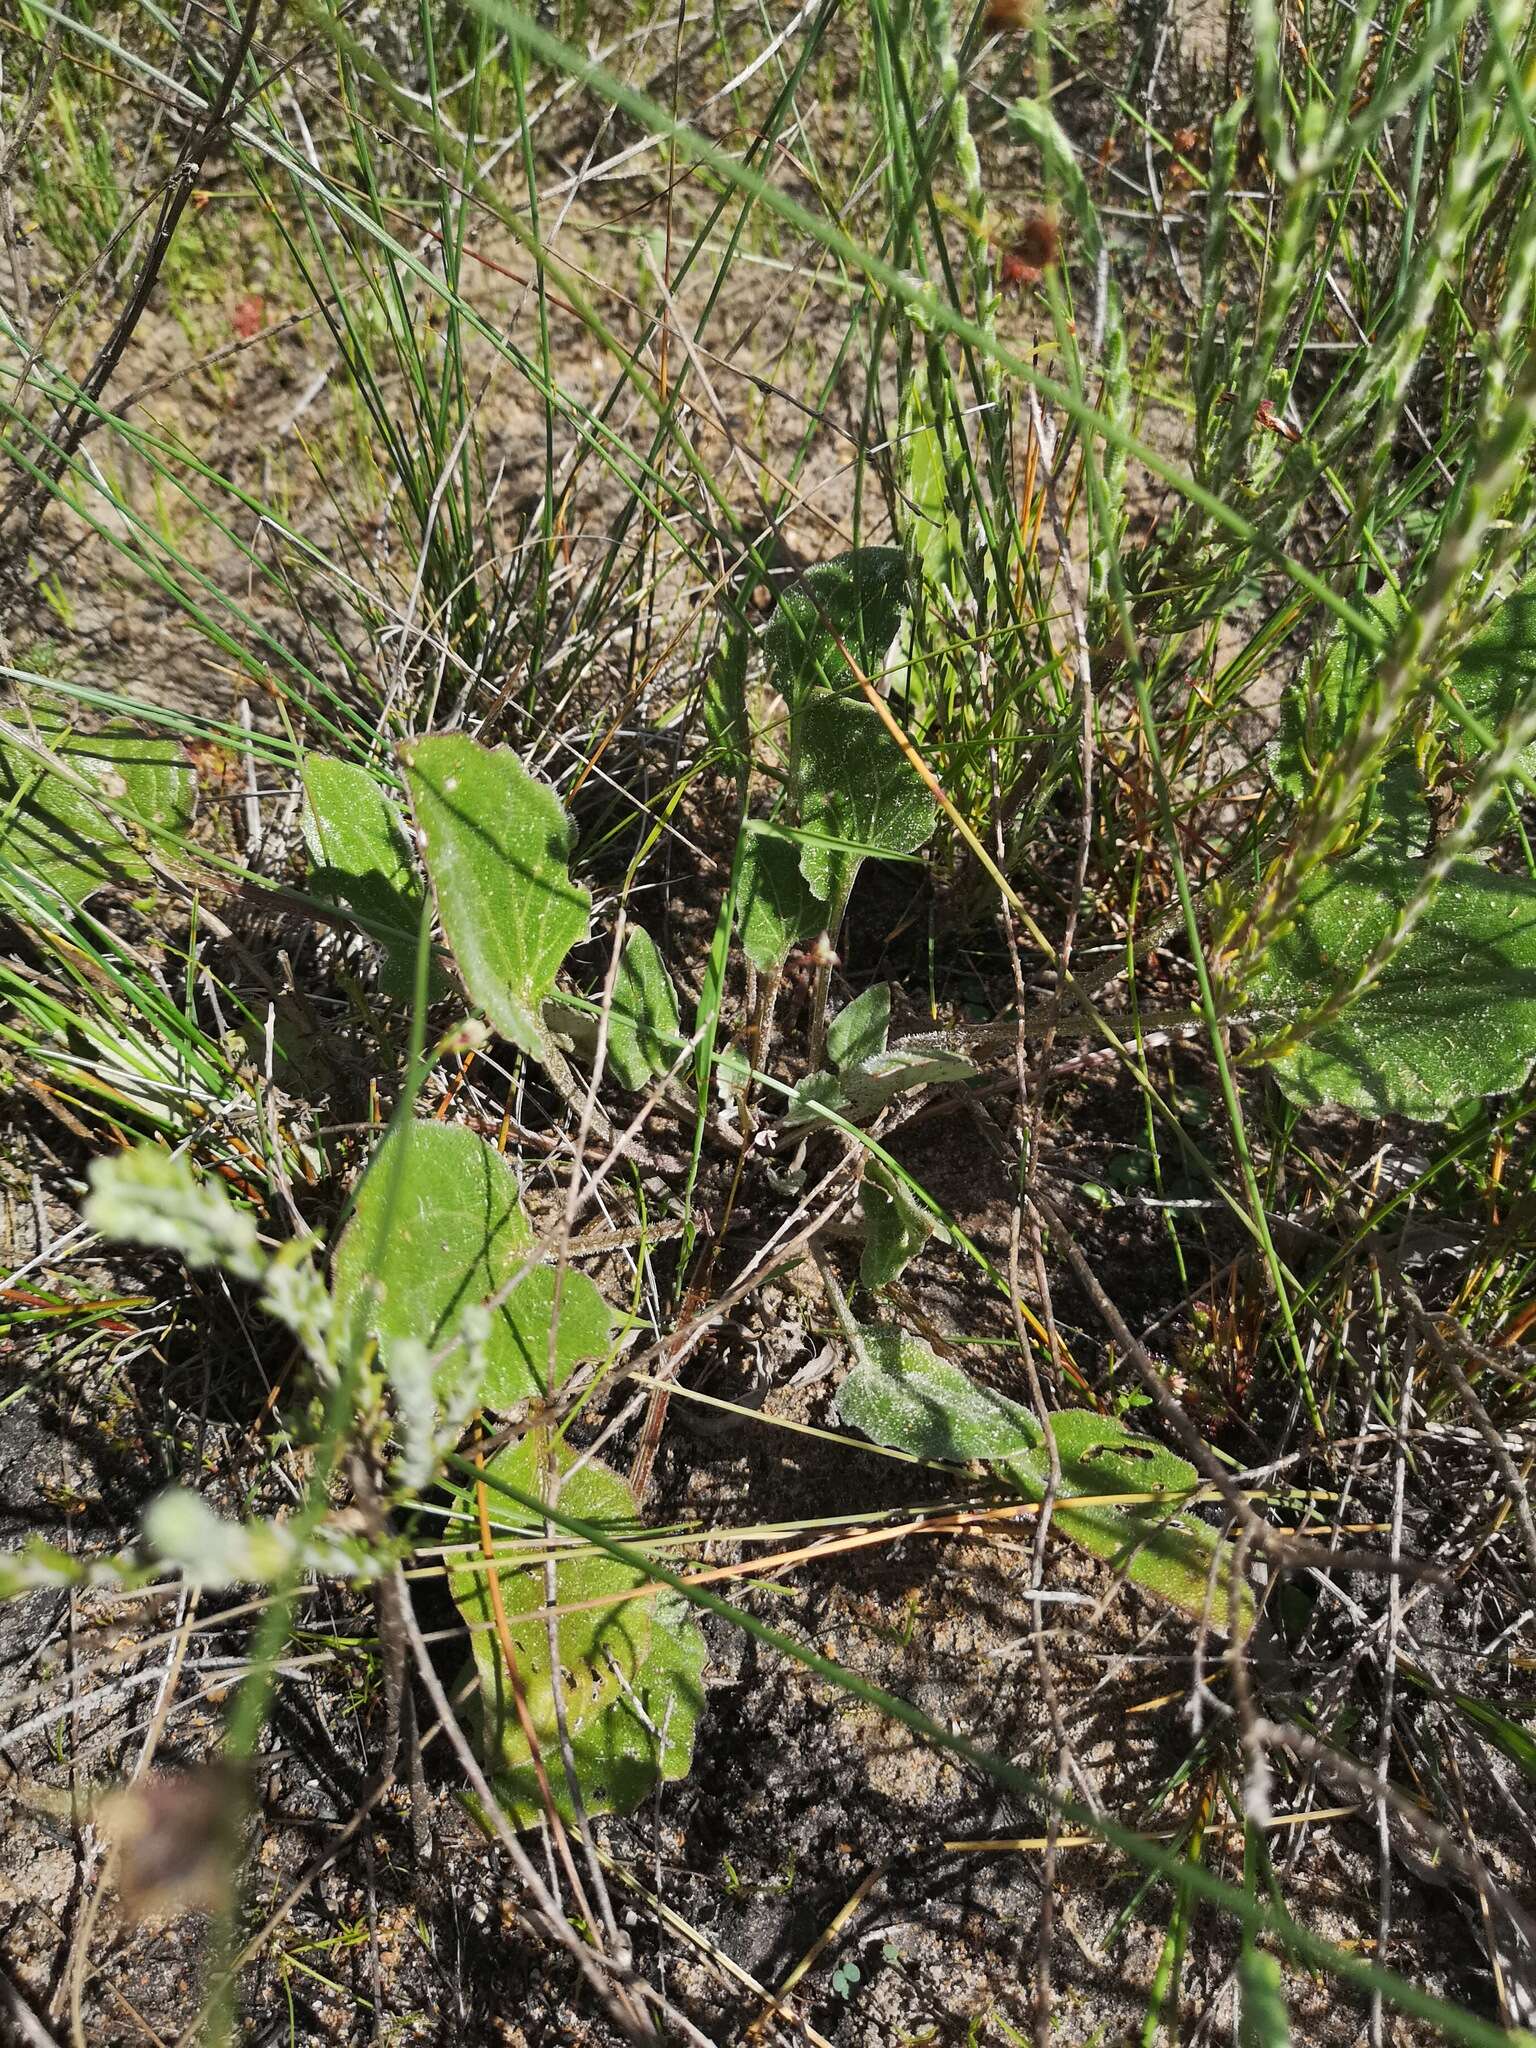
(644, 1035)
(360, 857)
(595, 1644)
(497, 846)
(812, 1095)
(725, 699)
(1495, 674)
(1262, 2022)
(858, 599)
(1164, 1550)
(152, 1197)
(775, 905)
(63, 836)
(438, 1228)
(905, 1397)
(854, 785)
(860, 1032)
(1451, 1017)
(1320, 712)
(871, 1083)
(896, 1225)
(625, 1730)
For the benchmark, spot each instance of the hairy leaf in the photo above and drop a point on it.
(497, 846)
(152, 1197)
(860, 1032)
(858, 599)
(1162, 1549)
(856, 786)
(1451, 1017)
(896, 1225)
(631, 1671)
(871, 1083)
(643, 1023)
(597, 1643)
(360, 857)
(1320, 711)
(776, 907)
(905, 1397)
(1495, 674)
(68, 838)
(725, 699)
(1262, 2021)
(437, 1229)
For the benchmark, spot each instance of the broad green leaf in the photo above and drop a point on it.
(776, 907)
(858, 599)
(1495, 674)
(438, 1228)
(855, 785)
(654, 1644)
(1320, 712)
(896, 1225)
(597, 1643)
(1452, 1016)
(860, 1032)
(643, 1024)
(361, 857)
(63, 836)
(497, 846)
(903, 1396)
(152, 1197)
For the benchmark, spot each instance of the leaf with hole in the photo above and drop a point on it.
(854, 786)
(776, 907)
(77, 839)
(438, 1228)
(644, 1037)
(497, 846)
(631, 1670)
(857, 599)
(1450, 1018)
(360, 857)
